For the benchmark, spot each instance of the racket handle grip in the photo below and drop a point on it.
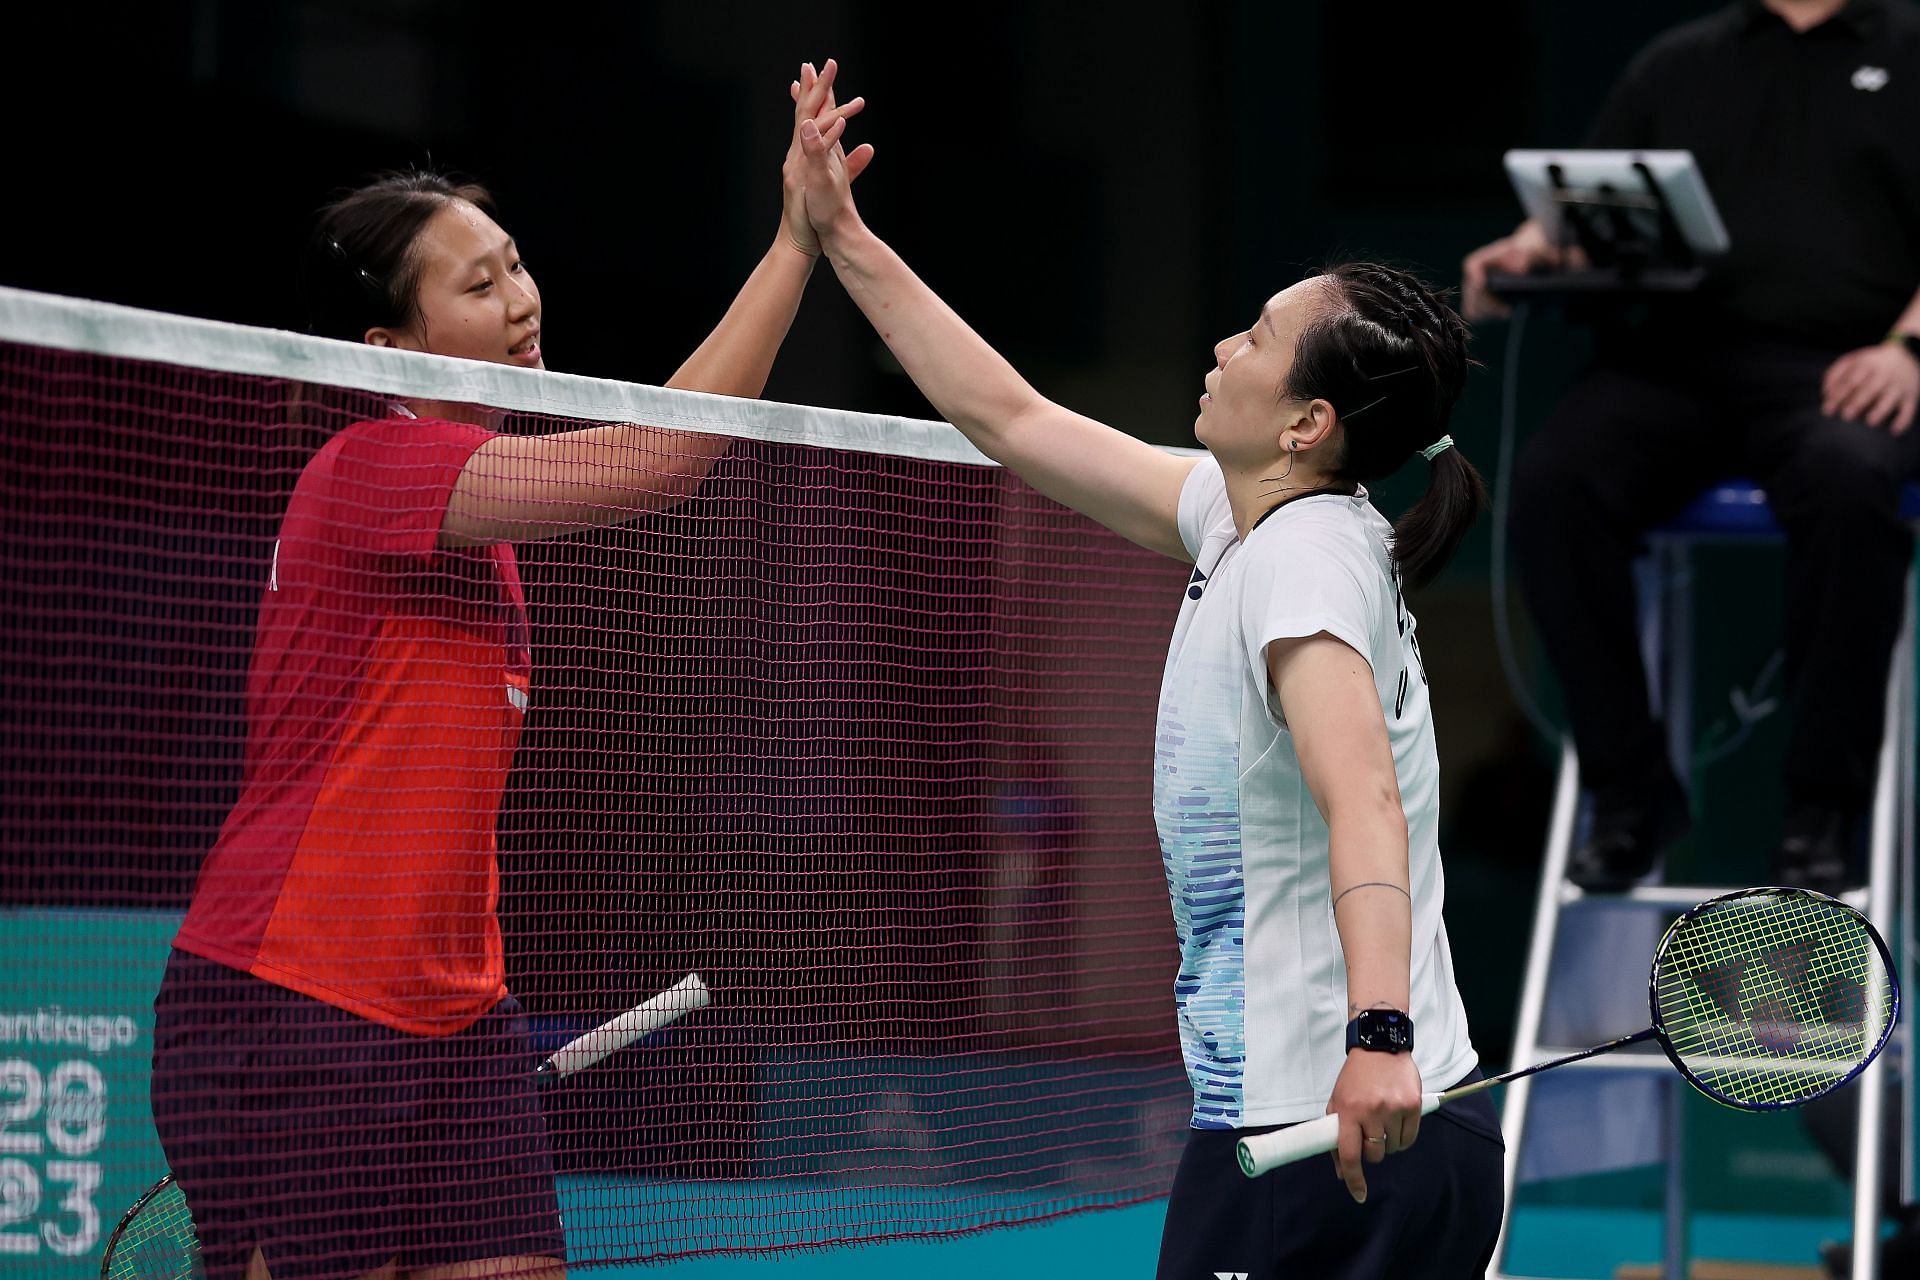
(1263, 1152)
(683, 997)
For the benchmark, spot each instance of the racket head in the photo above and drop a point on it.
(155, 1239)
(1771, 997)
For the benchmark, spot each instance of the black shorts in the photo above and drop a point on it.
(1432, 1211)
(336, 1144)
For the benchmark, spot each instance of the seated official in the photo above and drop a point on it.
(1797, 363)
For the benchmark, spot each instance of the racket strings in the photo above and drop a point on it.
(156, 1241)
(1771, 999)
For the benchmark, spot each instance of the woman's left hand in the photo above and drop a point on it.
(1377, 1098)
(812, 97)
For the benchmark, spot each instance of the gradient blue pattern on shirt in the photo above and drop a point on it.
(1196, 800)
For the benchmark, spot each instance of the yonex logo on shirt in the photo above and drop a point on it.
(1197, 584)
(1870, 79)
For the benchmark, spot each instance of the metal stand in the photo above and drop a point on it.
(1667, 624)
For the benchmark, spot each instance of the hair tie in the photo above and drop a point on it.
(1437, 448)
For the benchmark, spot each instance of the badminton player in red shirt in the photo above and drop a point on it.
(341, 1081)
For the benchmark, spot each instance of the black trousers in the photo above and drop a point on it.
(1640, 435)
(1432, 1211)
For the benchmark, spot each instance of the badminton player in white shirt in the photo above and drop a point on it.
(1296, 785)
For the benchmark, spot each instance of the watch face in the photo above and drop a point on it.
(1384, 1030)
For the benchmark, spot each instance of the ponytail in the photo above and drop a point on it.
(1426, 537)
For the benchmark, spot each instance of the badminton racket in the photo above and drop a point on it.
(1762, 999)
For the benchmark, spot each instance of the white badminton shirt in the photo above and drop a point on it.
(1262, 991)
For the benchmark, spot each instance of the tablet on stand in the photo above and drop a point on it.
(1644, 220)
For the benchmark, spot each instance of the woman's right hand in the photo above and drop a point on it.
(1377, 1097)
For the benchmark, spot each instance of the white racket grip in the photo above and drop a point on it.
(1267, 1151)
(583, 1051)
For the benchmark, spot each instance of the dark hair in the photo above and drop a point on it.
(1391, 358)
(359, 271)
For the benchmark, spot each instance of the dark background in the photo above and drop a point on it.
(1103, 190)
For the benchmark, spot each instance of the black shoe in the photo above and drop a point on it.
(1816, 850)
(1631, 828)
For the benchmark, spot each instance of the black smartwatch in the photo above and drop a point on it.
(1382, 1030)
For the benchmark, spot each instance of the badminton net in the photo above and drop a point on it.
(859, 731)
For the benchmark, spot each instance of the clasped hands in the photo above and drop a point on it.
(817, 173)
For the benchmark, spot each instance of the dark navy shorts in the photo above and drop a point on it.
(336, 1144)
(1432, 1211)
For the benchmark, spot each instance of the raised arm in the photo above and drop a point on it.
(523, 488)
(1124, 483)
(1333, 711)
